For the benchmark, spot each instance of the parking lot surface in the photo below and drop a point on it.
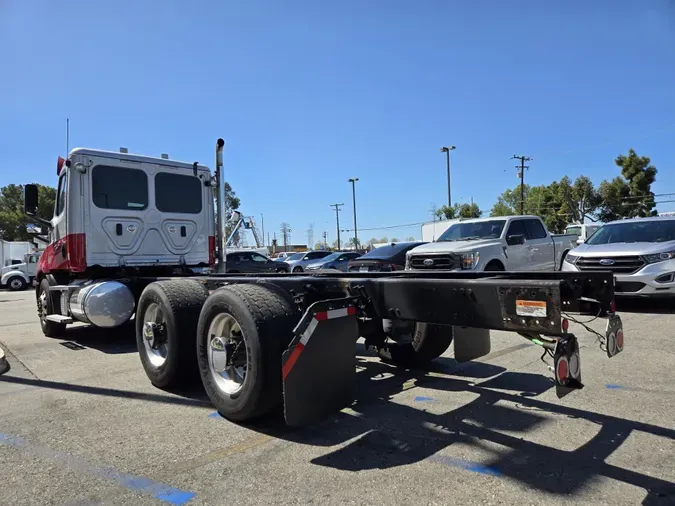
(80, 424)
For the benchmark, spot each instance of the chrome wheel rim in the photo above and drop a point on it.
(227, 354)
(154, 335)
(16, 283)
(42, 301)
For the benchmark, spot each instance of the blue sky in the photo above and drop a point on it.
(310, 93)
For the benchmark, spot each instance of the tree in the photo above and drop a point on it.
(410, 239)
(459, 211)
(509, 201)
(395, 239)
(640, 174)
(13, 221)
(614, 195)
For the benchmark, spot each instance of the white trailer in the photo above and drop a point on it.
(432, 230)
(14, 251)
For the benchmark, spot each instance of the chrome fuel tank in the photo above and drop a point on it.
(103, 304)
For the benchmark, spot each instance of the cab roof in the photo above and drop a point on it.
(115, 155)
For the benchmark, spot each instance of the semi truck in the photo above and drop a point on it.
(20, 276)
(132, 235)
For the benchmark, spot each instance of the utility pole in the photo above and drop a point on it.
(325, 239)
(285, 232)
(310, 236)
(446, 150)
(521, 172)
(262, 224)
(337, 218)
(353, 181)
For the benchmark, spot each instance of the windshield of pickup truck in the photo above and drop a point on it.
(635, 231)
(470, 231)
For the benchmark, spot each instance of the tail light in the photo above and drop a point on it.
(212, 250)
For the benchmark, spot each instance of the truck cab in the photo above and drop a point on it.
(118, 211)
(21, 275)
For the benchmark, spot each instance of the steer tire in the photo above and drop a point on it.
(16, 283)
(429, 341)
(53, 299)
(180, 301)
(266, 316)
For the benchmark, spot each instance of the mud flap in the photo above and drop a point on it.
(567, 366)
(470, 343)
(319, 366)
(614, 336)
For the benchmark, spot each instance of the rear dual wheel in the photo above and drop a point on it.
(425, 342)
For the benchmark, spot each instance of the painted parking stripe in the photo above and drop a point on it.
(141, 484)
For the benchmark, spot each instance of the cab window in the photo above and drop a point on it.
(178, 193)
(119, 188)
(535, 230)
(62, 194)
(517, 227)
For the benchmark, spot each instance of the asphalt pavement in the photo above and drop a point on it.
(80, 424)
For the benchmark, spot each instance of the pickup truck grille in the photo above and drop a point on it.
(621, 265)
(435, 262)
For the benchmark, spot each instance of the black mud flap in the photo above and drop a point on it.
(567, 366)
(614, 336)
(319, 366)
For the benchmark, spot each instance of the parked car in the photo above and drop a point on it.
(509, 243)
(298, 262)
(640, 252)
(249, 261)
(280, 257)
(390, 257)
(337, 261)
(584, 231)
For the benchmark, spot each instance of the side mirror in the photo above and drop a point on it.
(30, 199)
(515, 240)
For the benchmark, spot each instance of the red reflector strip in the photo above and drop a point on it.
(562, 370)
(565, 324)
(286, 369)
(304, 339)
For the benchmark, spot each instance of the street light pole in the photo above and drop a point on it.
(446, 150)
(353, 181)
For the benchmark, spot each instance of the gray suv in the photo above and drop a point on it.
(298, 262)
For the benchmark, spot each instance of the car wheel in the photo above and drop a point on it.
(297, 269)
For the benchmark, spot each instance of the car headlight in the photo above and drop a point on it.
(571, 259)
(470, 260)
(659, 257)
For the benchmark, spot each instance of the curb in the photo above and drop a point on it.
(4, 365)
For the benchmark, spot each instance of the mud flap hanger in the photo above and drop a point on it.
(319, 366)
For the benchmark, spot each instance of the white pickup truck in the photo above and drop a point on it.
(511, 243)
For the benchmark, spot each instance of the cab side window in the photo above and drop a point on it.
(62, 194)
(535, 230)
(517, 227)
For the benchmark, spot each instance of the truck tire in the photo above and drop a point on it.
(166, 319)
(429, 341)
(16, 283)
(243, 331)
(46, 303)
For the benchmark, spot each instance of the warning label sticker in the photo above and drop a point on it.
(531, 308)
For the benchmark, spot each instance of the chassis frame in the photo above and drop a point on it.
(319, 374)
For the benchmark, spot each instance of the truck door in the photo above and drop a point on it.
(540, 245)
(517, 255)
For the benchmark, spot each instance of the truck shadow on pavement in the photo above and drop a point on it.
(390, 434)
(110, 341)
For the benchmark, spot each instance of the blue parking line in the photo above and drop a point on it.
(611, 386)
(467, 465)
(421, 398)
(157, 490)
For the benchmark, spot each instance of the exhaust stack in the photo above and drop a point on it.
(220, 208)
